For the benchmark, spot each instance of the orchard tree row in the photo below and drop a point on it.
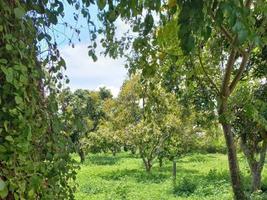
(143, 119)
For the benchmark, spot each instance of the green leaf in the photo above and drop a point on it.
(41, 36)
(2, 149)
(60, 7)
(91, 53)
(6, 125)
(238, 26)
(207, 33)
(29, 134)
(3, 189)
(9, 47)
(19, 12)
(3, 61)
(35, 181)
(149, 22)
(112, 16)
(257, 40)
(18, 100)
(9, 74)
(53, 18)
(9, 138)
(2, 185)
(77, 6)
(4, 193)
(242, 36)
(101, 4)
(190, 43)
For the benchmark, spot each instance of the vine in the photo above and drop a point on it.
(35, 160)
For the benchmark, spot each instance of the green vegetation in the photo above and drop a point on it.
(123, 177)
(194, 66)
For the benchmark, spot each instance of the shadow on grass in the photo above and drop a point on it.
(141, 176)
(97, 159)
(197, 158)
(201, 185)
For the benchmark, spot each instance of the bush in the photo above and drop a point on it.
(185, 187)
(258, 196)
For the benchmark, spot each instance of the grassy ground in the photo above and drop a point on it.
(199, 176)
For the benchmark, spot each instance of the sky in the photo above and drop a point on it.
(86, 74)
(82, 72)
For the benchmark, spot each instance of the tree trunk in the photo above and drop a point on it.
(82, 156)
(231, 151)
(133, 151)
(255, 166)
(256, 169)
(148, 165)
(233, 163)
(160, 162)
(174, 172)
(256, 179)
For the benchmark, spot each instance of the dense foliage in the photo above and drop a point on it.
(35, 161)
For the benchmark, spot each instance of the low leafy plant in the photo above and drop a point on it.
(185, 187)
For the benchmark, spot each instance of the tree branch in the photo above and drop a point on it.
(247, 152)
(263, 154)
(228, 35)
(239, 73)
(207, 75)
(231, 59)
(228, 71)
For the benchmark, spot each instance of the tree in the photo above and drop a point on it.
(160, 124)
(127, 110)
(148, 139)
(82, 112)
(104, 139)
(104, 93)
(249, 107)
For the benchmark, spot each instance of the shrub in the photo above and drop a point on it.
(185, 187)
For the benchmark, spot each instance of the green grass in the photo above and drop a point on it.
(199, 176)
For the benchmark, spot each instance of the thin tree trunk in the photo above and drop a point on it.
(160, 162)
(231, 152)
(174, 172)
(256, 167)
(256, 179)
(233, 163)
(82, 156)
(113, 151)
(133, 151)
(148, 164)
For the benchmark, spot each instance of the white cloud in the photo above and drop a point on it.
(86, 74)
